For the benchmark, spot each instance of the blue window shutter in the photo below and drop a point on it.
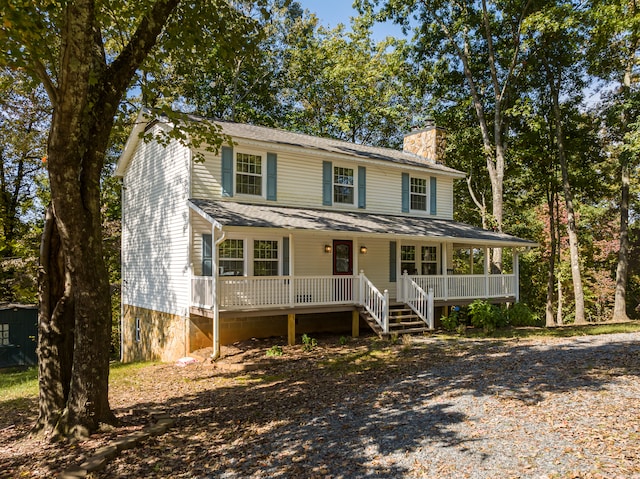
(362, 187)
(272, 176)
(405, 192)
(207, 255)
(227, 171)
(392, 262)
(285, 256)
(327, 183)
(433, 207)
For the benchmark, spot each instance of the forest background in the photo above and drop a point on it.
(540, 101)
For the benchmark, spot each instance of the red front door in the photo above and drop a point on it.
(343, 266)
(342, 257)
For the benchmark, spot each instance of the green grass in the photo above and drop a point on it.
(558, 332)
(21, 383)
(18, 383)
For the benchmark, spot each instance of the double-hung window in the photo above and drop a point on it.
(343, 185)
(429, 260)
(408, 259)
(418, 194)
(249, 174)
(265, 258)
(231, 257)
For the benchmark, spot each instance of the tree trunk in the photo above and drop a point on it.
(559, 313)
(574, 253)
(55, 329)
(549, 319)
(620, 306)
(75, 314)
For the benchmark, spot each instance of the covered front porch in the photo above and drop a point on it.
(266, 260)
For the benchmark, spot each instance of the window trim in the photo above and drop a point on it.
(427, 194)
(417, 258)
(137, 329)
(243, 259)
(249, 253)
(353, 186)
(263, 172)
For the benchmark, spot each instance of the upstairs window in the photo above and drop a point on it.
(343, 185)
(418, 194)
(231, 257)
(248, 174)
(265, 258)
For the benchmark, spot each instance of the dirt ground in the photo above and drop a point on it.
(231, 409)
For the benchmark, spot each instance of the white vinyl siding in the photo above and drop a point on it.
(155, 229)
(299, 180)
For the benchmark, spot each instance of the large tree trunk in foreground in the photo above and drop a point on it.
(75, 314)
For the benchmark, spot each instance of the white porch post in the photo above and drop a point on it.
(445, 266)
(291, 272)
(430, 311)
(486, 272)
(214, 290)
(385, 312)
(516, 273)
(361, 288)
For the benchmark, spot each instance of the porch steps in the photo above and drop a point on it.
(402, 320)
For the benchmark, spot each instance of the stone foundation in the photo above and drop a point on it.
(162, 335)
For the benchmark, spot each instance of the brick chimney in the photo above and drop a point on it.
(428, 143)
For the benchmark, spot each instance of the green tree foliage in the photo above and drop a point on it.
(23, 127)
(342, 84)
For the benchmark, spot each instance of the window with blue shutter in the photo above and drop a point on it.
(227, 171)
(327, 183)
(433, 207)
(207, 256)
(362, 187)
(405, 192)
(272, 176)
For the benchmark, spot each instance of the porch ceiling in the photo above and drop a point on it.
(228, 213)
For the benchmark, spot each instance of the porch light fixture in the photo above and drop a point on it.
(363, 250)
(327, 248)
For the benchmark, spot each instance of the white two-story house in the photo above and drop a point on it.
(284, 233)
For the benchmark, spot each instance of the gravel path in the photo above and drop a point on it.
(518, 412)
(553, 408)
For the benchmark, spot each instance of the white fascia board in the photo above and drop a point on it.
(205, 215)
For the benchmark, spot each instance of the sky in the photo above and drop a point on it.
(332, 12)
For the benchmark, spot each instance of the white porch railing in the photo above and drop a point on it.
(375, 302)
(419, 300)
(202, 292)
(247, 292)
(252, 293)
(476, 286)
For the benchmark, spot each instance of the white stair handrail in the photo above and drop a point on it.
(419, 301)
(375, 302)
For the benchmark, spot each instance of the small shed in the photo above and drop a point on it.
(18, 335)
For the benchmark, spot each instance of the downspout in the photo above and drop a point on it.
(214, 291)
(122, 280)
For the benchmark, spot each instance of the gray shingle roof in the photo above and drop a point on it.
(228, 213)
(288, 138)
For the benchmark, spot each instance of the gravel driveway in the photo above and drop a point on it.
(552, 408)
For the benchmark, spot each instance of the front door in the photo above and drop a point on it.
(342, 257)
(343, 266)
